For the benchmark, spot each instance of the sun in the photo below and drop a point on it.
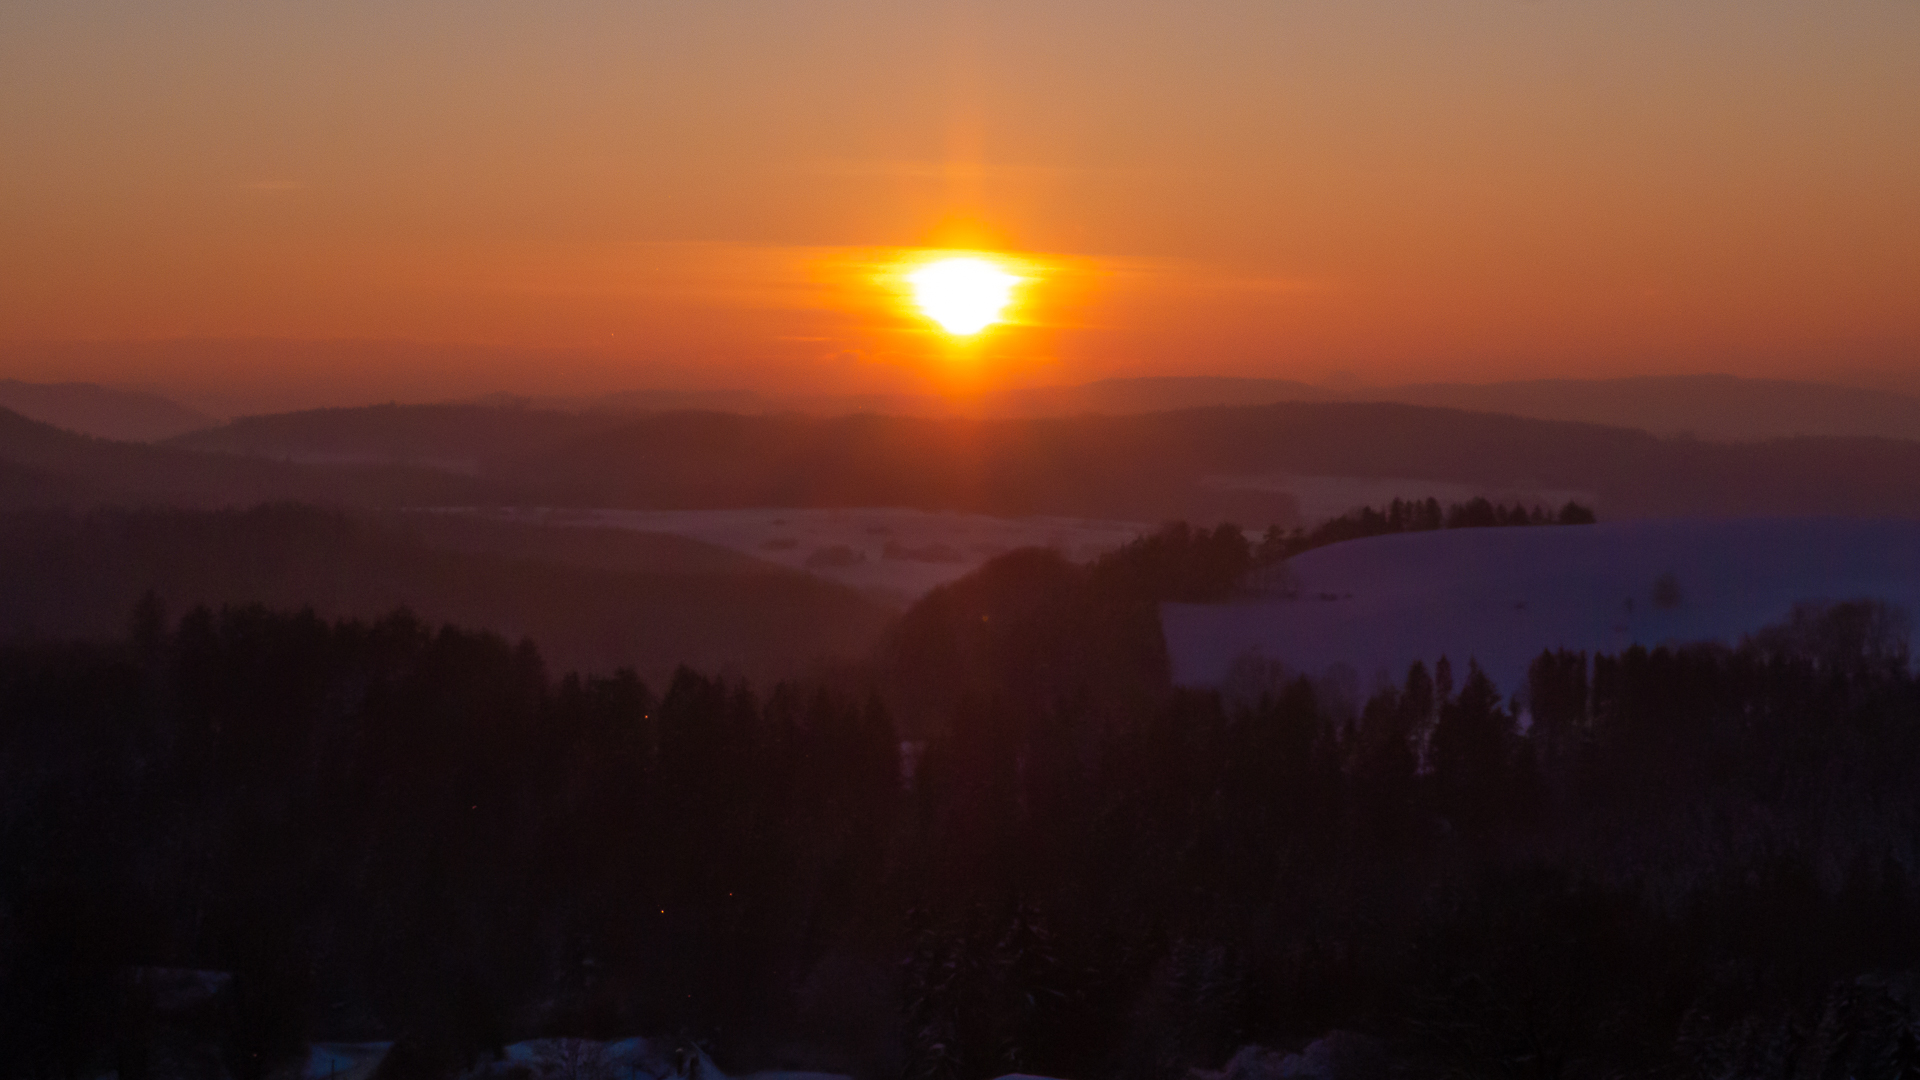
(965, 295)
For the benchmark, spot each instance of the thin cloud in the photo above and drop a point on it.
(897, 169)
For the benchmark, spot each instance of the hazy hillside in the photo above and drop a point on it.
(1227, 463)
(1208, 463)
(1707, 406)
(711, 460)
(1722, 407)
(128, 415)
(620, 550)
(1121, 397)
(1113, 396)
(592, 600)
(44, 466)
(455, 437)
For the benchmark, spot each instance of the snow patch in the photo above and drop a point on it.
(344, 1061)
(1501, 596)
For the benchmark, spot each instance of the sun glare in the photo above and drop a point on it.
(964, 295)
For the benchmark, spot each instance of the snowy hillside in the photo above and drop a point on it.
(1500, 596)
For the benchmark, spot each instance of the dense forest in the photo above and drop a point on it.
(1691, 862)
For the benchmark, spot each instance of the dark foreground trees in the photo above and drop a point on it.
(390, 830)
(1693, 862)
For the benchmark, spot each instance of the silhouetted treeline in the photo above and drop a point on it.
(1685, 862)
(1414, 515)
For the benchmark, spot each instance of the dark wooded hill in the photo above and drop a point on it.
(594, 599)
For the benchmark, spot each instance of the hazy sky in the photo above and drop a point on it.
(567, 195)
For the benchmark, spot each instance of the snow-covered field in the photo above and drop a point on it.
(1500, 596)
(895, 554)
(343, 1061)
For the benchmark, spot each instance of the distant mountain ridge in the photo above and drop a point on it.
(45, 466)
(1255, 465)
(90, 409)
(447, 436)
(241, 377)
(1723, 407)
(1719, 407)
(1707, 406)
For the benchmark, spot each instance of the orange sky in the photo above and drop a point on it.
(605, 194)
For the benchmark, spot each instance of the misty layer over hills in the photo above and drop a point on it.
(1221, 463)
(1251, 450)
(1252, 464)
(1722, 407)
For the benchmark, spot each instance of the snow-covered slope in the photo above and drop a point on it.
(1500, 596)
(344, 1061)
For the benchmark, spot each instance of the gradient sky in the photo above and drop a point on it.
(561, 196)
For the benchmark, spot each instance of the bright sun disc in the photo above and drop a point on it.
(963, 295)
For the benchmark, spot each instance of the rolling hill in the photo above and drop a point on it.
(1207, 463)
(591, 599)
(1220, 463)
(44, 466)
(450, 437)
(1720, 407)
(90, 409)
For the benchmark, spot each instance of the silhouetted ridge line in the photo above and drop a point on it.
(125, 415)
